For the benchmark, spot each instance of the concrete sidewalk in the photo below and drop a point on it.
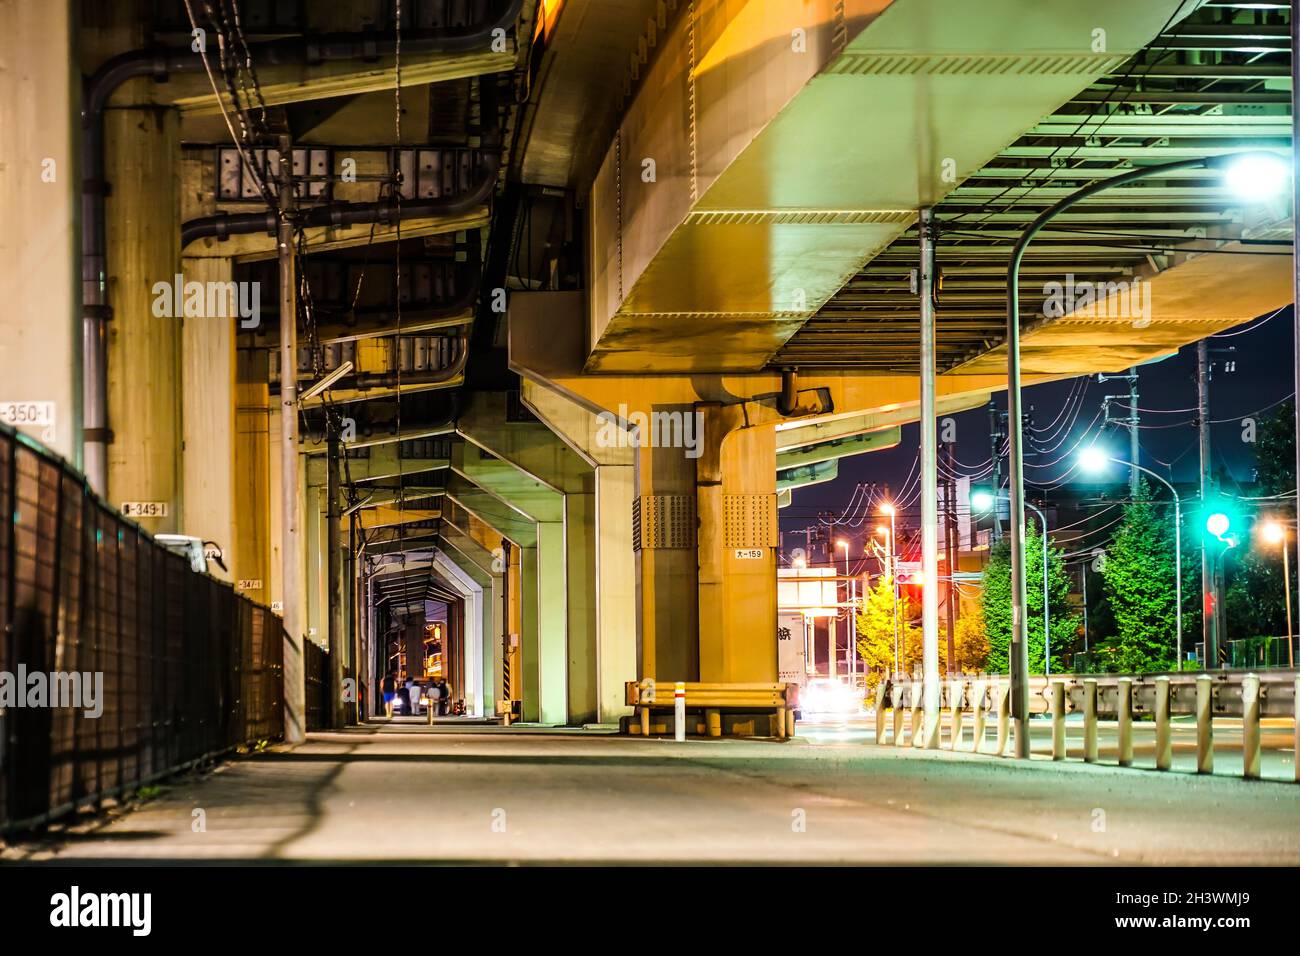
(500, 796)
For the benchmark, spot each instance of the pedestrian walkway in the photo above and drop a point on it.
(407, 793)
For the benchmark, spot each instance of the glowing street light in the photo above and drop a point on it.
(1094, 459)
(1256, 177)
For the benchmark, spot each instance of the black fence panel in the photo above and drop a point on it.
(316, 670)
(118, 664)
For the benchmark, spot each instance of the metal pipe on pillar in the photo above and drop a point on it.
(295, 688)
(929, 487)
(334, 575)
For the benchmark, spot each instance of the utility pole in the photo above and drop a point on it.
(1129, 421)
(1083, 567)
(1133, 450)
(334, 573)
(929, 486)
(950, 536)
(291, 552)
(1209, 580)
(995, 452)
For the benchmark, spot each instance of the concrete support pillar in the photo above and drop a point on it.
(208, 418)
(567, 613)
(250, 546)
(606, 570)
(142, 147)
(615, 590)
(544, 632)
(552, 624)
(529, 669)
(40, 324)
(468, 570)
(736, 491)
(667, 573)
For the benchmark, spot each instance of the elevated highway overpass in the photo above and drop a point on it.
(555, 308)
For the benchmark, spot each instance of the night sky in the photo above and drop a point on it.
(1263, 376)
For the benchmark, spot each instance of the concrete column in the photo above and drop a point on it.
(544, 633)
(666, 562)
(529, 670)
(615, 590)
(208, 418)
(250, 545)
(142, 147)
(40, 324)
(736, 490)
(607, 569)
(552, 658)
(482, 592)
(538, 454)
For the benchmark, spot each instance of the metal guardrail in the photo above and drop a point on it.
(1205, 695)
(714, 698)
(190, 669)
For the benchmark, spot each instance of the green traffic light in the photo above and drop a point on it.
(1218, 524)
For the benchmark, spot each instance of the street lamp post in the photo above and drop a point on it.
(888, 509)
(1249, 174)
(1094, 459)
(848, 616)
(1042, 520)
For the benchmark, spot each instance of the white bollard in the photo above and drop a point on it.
(1004, 717)
(1058, 720)
(1204, 723)
(1250, 726)
(896, 697)
(918, 713)
(1164, 734)
(679, 711)
(1295, 753)
(1124, 721)
(954, 714)
(977, 702)
(1090, 720)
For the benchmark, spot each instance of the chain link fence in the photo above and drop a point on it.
(172, 668)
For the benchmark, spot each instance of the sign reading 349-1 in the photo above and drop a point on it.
(144, 509)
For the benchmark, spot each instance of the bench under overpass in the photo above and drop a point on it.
(1120, 697)
(713, 709)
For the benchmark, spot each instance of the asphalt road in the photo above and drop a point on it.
(472, 794)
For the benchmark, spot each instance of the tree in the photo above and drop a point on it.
(1139, 584)
(1063, 622)
(971, 643)
(1255, 599)
(875, 625)
(875, 622)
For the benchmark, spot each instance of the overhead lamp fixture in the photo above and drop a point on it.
(343, 371)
